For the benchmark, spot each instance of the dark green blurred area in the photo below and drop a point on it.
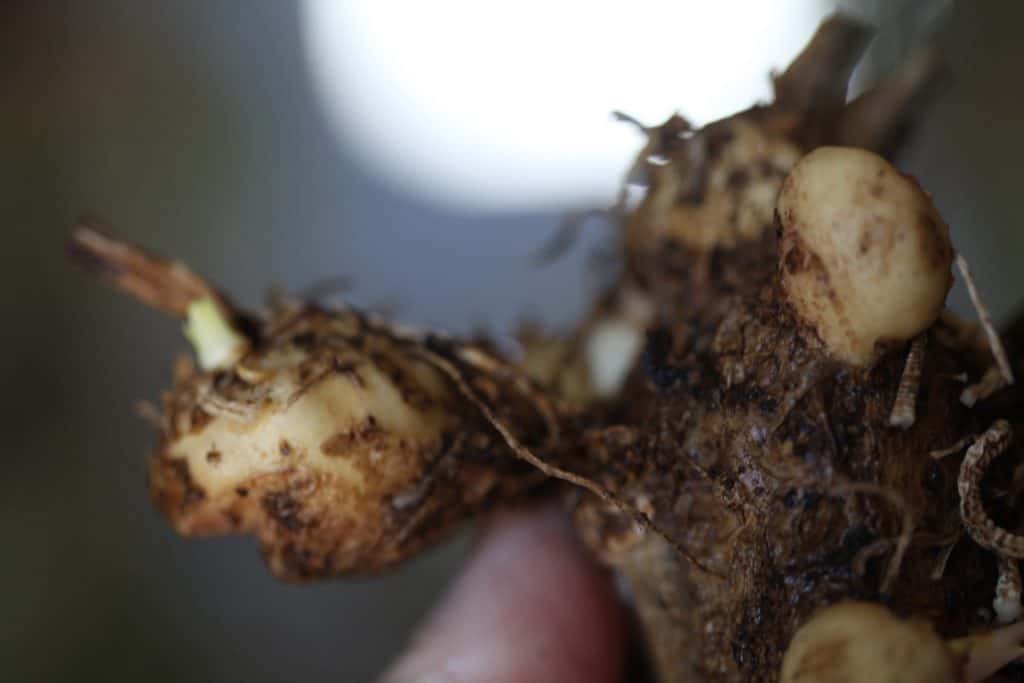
(191, 127)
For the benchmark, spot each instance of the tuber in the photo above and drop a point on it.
(865, 256)
(763, 416)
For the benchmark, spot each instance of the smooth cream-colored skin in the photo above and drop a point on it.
(860, 642)
(865, 256)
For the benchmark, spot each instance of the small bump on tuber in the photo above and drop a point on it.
(865, 256)
(860, 642)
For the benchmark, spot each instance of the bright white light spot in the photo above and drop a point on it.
(611, 348)
(506, 104)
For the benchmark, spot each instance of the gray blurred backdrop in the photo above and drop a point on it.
(192, 127)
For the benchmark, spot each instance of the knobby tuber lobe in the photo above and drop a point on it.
(865, 256)
(332, 442)
(763, 413)
(333, 437)
(861, 642)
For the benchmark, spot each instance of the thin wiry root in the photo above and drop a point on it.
(987, 653)
(992, 381)
(151, 414)
(941, 453)
(995, 343)
(496, 368)
(572, 225)
(324, 288)
(868, 553)
(981, 528)
(630, 119)
(940, 564)
(553, 471)
(904, 411)
(1007, 603)
(567, 235)
(906, 529)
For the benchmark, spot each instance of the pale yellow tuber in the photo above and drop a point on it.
(860, 642)
(865, 256)
(338, 440)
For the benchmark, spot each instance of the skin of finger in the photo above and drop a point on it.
(530, 606)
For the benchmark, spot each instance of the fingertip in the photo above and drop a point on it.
(530, 605)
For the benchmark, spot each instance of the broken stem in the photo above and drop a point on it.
(212, 323)
(881, 117)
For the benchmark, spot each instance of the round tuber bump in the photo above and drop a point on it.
(865, 256)
(860, 642)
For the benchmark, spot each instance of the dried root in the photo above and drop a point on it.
(981, 528)
(906, 529)
(940, 453)
(643, 519)
(990, 383)
(1006, 604)
(986, 653)
(943, 560)
(904, 409)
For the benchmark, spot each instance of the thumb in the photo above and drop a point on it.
(531, 606)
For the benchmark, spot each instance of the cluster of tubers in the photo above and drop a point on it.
(766, 413)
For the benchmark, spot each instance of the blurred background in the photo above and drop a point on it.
(422, 150)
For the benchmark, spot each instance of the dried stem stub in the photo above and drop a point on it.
(1002, 375)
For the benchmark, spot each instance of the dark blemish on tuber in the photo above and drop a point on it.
(284, 509)
(174, 487)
